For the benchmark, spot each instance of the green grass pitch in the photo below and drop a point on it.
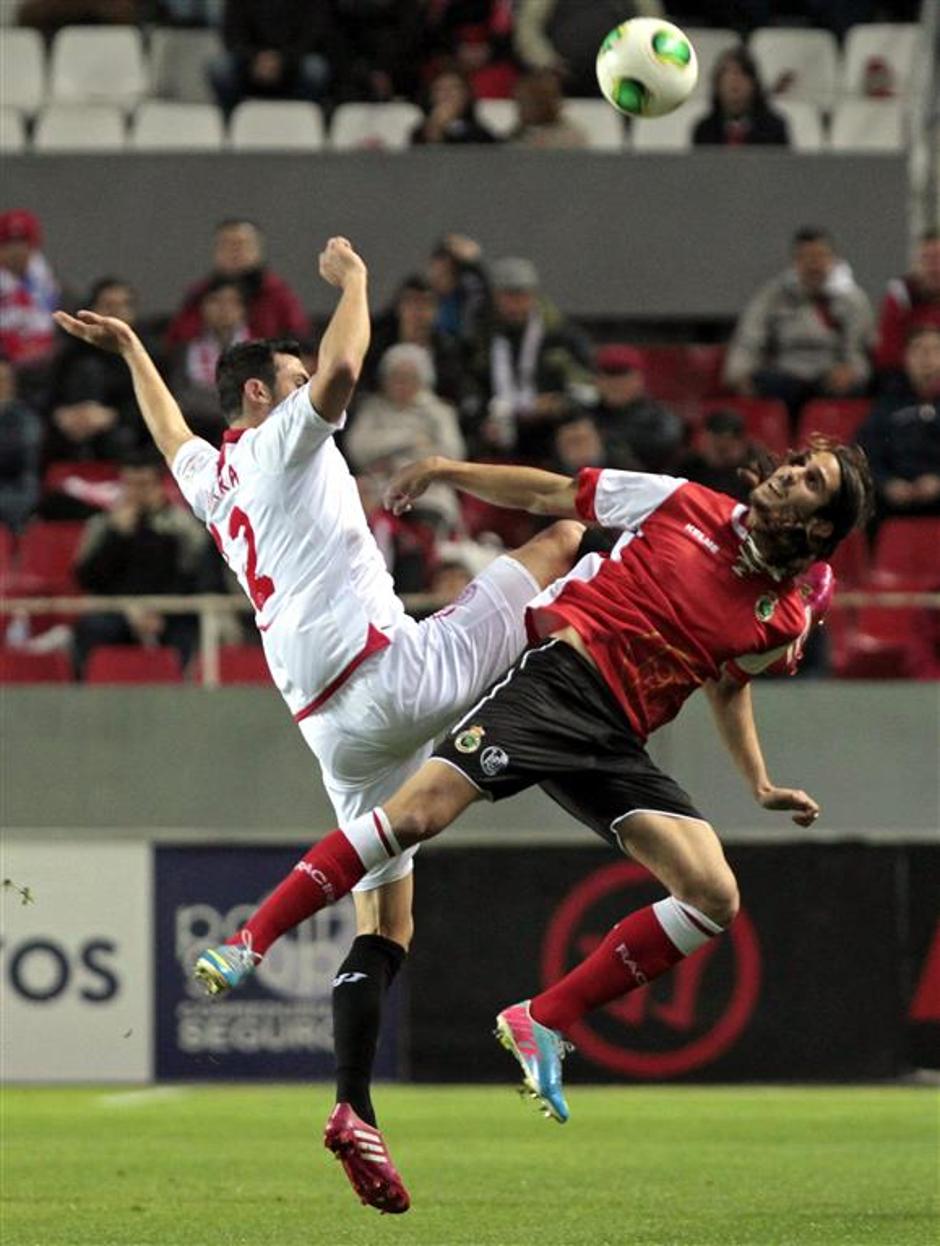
(669, 1166)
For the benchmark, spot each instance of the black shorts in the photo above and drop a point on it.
(552, 720)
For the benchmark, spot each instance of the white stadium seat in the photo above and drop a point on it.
(98, 65)
(868, 125)
(374, 126)
(22, 69)
(272, 125)
(178, 64)
(12, 131)
(798, 64)
(80, 127)
(709, 43)
(670, 133)
(804, 121)
(164, 125)
(898, 45)
(602, 124)
(499, 116)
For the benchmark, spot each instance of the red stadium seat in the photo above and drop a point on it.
(838, 418)
(95, 483)
(131, 664)
(907, 554)
(886, 643)
(239, 664)
(682, 373)
(765, 419)
(17, 667)
(850, 562)
(45, 557)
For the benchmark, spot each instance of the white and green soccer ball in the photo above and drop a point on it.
(646, 67)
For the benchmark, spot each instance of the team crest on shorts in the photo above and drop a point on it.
(469, 741)
(765, 606)
(493, 760)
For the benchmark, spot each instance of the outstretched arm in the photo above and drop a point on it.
(346, 340)
(519, 488)
(733, 712)
(159, 408)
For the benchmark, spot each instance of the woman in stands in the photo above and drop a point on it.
(740, 115)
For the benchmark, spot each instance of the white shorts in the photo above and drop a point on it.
(380, 727)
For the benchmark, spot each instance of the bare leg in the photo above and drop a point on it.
(552, 552)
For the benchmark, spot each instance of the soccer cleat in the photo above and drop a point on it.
(223, 968)
(362, 1151)
(817, 585)
(540, 1052)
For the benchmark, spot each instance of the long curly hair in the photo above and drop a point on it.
(789, 543)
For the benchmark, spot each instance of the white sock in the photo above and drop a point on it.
(685, 925)
(371, 836)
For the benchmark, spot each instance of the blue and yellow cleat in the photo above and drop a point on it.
(223, 968)
(540, 1052)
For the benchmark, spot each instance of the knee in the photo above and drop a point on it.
(716, 895)
(421, 820)
(565, 537)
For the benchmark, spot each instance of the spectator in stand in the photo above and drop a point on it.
(564, 35)
(92, 412)
(192, 371)
(412, 318)
(578, 444)
(145, 545)
(740, 114)
(640, 434)
(404, 422)
(531, 366)
(806, 333)
(29, 291)
(408, 545)
(902, 434)
(378, 47)
(909, 301)
(274, 49)
(274, 310)
(48, 16)
(20, 443)
(476, 35)
(458, 279)
(722, 450)
(541, 121)
(450, 113)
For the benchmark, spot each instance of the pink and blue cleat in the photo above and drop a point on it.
(361, 1149)
(540, 1052)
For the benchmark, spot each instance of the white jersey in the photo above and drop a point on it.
(285, 513)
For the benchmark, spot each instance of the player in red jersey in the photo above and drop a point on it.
(698, 591)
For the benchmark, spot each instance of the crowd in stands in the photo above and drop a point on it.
(470, 358)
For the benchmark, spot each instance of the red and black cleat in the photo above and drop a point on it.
(362, 1151)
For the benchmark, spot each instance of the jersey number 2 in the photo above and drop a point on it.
(260, 587)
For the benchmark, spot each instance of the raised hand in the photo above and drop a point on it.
(105, 332)
(339, 262)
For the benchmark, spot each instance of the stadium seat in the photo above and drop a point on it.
(376, 127)
(670, 133)
(164, 125)
(868, 125)
(798, 64)
(276, 125)
(22, 69)
(602, 124)
(869, 46)
(500, 116)
(682, 373)
(94, 483)
(805, 124)
(7, 548)
(907, 554)
(45, 557)
(886, 643)
(850, 562)
(19, 667)
(239, 664)
(765, 419)
(132, 664)
(178, 63)
(12, 132)
(80, 127)
(839, 418)
(709, 43)
(98, 65)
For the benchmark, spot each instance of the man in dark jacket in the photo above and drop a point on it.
(274, 49)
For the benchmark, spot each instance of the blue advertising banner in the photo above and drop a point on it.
(279, 1024)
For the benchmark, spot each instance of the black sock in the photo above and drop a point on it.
(358, 993)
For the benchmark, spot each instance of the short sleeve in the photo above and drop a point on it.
(621, 499)
(194, 470)
(292, 432)
(783, 660)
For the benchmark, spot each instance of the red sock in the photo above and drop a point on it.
(329, 870)
(635, 952)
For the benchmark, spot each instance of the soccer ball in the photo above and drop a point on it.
(646, 67)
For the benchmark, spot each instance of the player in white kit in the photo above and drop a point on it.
(369, 687)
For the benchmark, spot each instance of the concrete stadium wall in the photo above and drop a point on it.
(689, 235)
(231, 763)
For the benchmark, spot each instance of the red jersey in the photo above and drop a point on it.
(666, 611)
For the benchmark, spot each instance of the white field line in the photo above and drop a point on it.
(141, 1098)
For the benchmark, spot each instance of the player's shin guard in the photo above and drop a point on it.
(328, 871)
(358, 994)
(638, 949)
